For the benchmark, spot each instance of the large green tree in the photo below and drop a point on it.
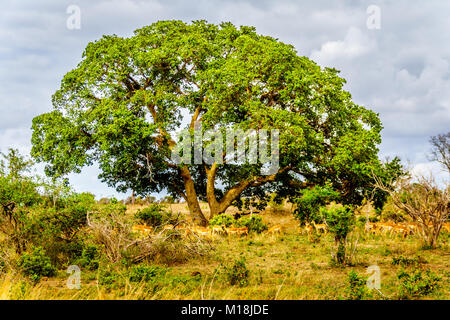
(123, 102)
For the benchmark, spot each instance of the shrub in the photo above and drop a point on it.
(340, 221)
(404, 261)
(238, 274)
(417, 283)
(169, 200)
(111, 208)
(36, 264)
(311, 200)
(221, 219)
(357, 287)
(153, 215)
(144, 273)
(253, 223)
(104, 201)
(109, 278)
(65, 221)
(90, 257)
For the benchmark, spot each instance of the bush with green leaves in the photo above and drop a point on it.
(417, 283)
(222, 220)
(145, 273)
(357, 287)
(238, 274)
(111, 208)
(154, 215)
(18, 194)
(66, 221)
(90, 257)
(110, 278)
(36, 264)
(253, 223)
(405, 261)
(340, 221)
(59, 229)
(311, 200)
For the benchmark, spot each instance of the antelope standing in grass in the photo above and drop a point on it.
(202, 232)
(217, 230)
(308, 228)
(237, 231)
(320, 227)
(275, 229)
(142, 229)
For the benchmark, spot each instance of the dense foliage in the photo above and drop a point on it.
(121, 104)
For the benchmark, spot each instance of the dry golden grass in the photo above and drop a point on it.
(286, 266)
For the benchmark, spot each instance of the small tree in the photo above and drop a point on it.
(340, 221)
(441, 149)
(18, 192)
(423, 201)
(310, 202)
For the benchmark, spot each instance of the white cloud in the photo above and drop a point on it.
(355, 44)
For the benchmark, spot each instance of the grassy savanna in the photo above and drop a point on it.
(290, 265)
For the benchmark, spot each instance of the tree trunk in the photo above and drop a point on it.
(191, 198)
(215, 206)
(210, 192)
(218, 207)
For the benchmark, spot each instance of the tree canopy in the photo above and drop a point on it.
(127, 97)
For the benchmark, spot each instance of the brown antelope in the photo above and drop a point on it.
(237, 231)
(167, 227)
(371, 227)
(320, 227)
(386, 228)
(400, 230)
(142, 229)
(412, 227)
(217, 230)
(275, 229)
(202, 232)
(188, 233)
(308, 228)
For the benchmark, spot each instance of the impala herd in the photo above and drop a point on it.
(201, 232)
(402, 229)
(383, 228)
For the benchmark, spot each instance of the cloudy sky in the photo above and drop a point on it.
(400, 70)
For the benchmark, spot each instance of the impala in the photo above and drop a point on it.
(217, 229)
(202, 232)
(167, 227)
(143, 229)
(309, 228)
(238, 231)
(274, 229)
(320, 227)
(401, 230)
(371, 227)
(386, 228)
